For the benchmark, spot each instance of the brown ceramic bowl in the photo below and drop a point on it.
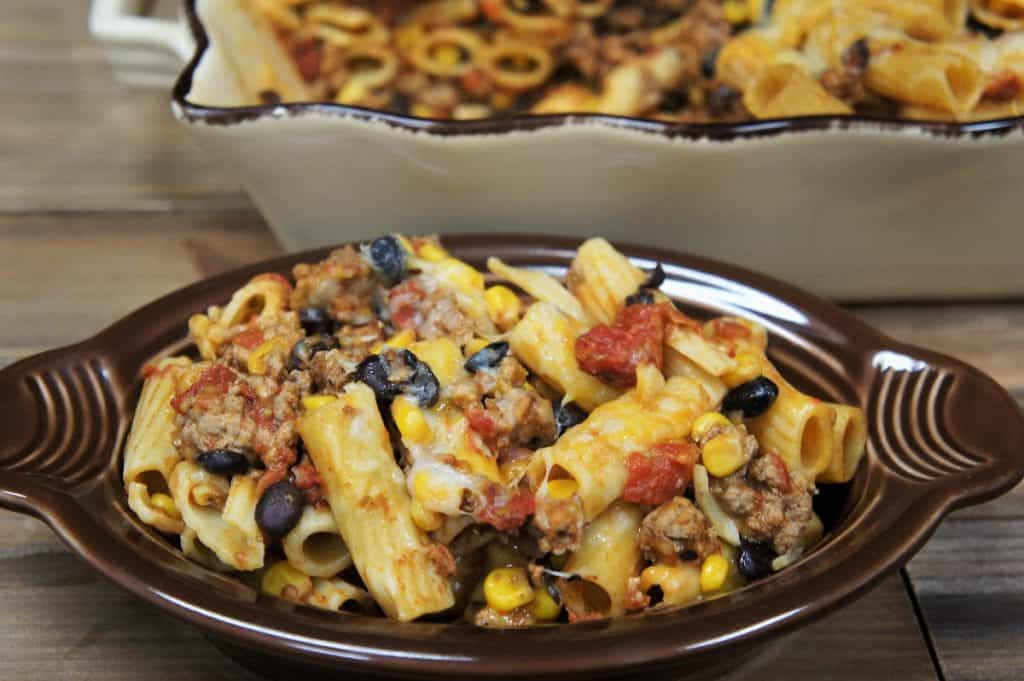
(942, 436)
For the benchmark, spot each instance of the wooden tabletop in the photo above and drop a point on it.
(105, 204)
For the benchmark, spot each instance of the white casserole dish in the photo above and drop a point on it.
(849, 207)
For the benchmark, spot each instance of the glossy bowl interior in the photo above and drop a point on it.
(942, 435)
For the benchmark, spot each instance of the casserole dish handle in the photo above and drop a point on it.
(141, 50)
(943, 427)
(60, 424)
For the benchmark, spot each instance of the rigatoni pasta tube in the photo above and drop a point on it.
(608, 557)
(678, 365)
(545, 341)
(925, 75)
(595, 453)
(849, 438)
(782, 90)
(365, 488)
(230, 533)
(315, 545)
(150, 455)
(601, 278)
(797, 427)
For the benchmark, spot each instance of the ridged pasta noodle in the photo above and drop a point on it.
(315, 545)
(849, 439)
(601, 278)
(349, 444)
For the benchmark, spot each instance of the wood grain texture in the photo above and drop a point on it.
(74, 140)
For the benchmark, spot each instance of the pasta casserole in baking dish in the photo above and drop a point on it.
(387, 432)
(671, 60)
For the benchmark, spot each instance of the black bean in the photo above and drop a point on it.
(387, 257)
(279, 509)
(641, 297)
(423, 385)
(487, 357)
(375, 372)
(753, 398)
(754, 560)
(224, 461)
(655, 279)
(857, 56)
(270, 97)
(568, 415)
(303, 351)
(673, 100)
(721, 99)
(315, 321)
(656, 594)
(984, 29)
(707, 64)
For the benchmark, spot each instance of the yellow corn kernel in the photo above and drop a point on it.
(507, 589)
(435, 492)
(432, 252)
(479, 463)
(257, 361)
(735, 12)
(165, 504)
(503, 306)
(544, 607)
(475, 345)
(705, 422)
(410, 421)
(402, 339)
(352, 92)
(312, 402)
(561, 489)
(713, 572)
(426, 520)
(287, 581)
(424, 111)
(443, 357)
(748, 367)
(723, 455)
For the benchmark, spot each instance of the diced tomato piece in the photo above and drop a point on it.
(404, 303)
(481, 422)
(657, 476)
(505, 512)
(476, 82)
(213, 383)
(492, 9)
(307, 59)
(612, 353)
(249, 338)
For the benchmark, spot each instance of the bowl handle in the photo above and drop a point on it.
(59, 427)
(142, 50)
(942, 424)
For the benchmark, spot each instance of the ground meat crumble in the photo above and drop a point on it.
(771, 503)
(677, 532)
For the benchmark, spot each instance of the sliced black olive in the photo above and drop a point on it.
(224, 461)
(303, 351)
(375, 372)
(673, 100)
(423, 385)
(487, 357)
(986, 30)
(315, 321)
(568, 415)
(641, 297)
(754, 560)
(753, 398)
(387, 257)
(279, 509)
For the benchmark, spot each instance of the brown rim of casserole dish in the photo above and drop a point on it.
(942, 436)
(197, 113)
